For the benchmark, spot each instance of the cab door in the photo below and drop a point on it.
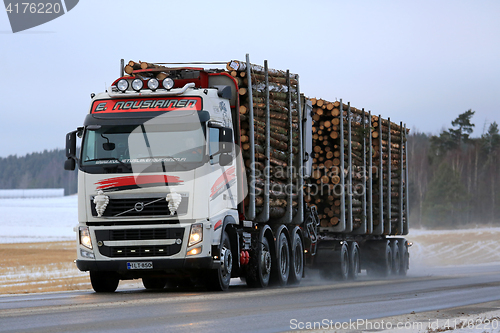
(223, 193)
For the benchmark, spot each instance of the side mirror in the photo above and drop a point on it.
(71, 144)
(225, 140)
(70, 164)
(225, 159)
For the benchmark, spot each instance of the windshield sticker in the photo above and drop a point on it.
(147, 105)
(143, 160)
(132, 182)
(225, 115)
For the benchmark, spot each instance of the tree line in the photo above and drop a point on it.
(37, 170)
(453, 178)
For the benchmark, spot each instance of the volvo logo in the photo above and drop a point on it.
(139, 206)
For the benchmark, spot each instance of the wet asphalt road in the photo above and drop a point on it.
(242, 309)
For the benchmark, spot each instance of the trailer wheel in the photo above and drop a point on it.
(338, 268)
(353, 260)
(343, 265)
(382, 265)
(154, 283)
(396, 258)
(281, 270)
(261, 270)
(405, 257)
(104, 282)
(220, 278)
(297, 265)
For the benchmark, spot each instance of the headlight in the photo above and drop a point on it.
(195, 251)
(196, 234)
(153, 84)
(87, 254)
(85, 239)
(137, 84)
(122, 85)
(168, 83)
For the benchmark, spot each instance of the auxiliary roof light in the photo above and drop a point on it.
(137, 84)
(168, 83)
(153, 84)
(122, 85)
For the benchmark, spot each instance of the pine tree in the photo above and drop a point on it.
(465, 127)
(454, 137)
(491, 139)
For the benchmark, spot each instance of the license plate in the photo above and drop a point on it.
(140, 265)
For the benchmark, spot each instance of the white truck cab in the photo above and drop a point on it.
(157, 180)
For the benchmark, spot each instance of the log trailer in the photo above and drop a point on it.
(193, 175)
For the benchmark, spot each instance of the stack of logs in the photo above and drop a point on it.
(279, 98)
(388, 141)
(326, 190)
(159, 73)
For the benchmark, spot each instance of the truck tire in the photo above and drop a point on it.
(281, 267)
(396, 257)
(154, 283)
(343, 265)
(405, 257)
(104, 282)
(297, 260)
(338, 268)
(220, 278)
(382, 265)
(353, 260)
(261, 264)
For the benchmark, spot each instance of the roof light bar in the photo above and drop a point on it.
(153, 84)
(137, 84)
(168, 83)
(122, 85)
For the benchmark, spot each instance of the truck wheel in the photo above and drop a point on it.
(297, 266)
(154, 283)
(353, 260)
(220, 278)
(396, 258)
(338, 268)
(382, 265)
(261, 270)
(343, 264)
(104, 282)
(281, 270)
(405, 257)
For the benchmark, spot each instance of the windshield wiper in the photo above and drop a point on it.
(109, 158)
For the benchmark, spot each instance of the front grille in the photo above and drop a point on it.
(139, 234)
(144, 234)
(131, 207)
(144, 251)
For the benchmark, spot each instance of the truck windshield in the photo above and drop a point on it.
(145, 148)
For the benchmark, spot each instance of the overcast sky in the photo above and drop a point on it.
(421, 62)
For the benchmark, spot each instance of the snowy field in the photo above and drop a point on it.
(38, 219)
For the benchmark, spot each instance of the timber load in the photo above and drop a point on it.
(269, 122)
(358, 182)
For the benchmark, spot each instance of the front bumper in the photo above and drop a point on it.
(158, 264)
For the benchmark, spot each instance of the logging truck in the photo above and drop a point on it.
(189, 175)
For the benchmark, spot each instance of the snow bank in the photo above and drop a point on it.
(32, 193)
(38, 219)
